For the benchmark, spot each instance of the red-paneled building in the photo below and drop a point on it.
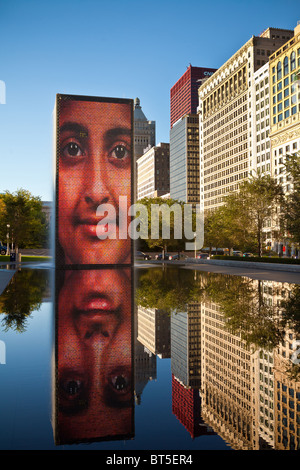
(184, 94)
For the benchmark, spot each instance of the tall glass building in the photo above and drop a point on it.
(184, 160)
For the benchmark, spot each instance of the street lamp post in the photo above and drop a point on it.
(7, 236)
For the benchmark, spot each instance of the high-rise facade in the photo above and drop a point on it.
(226, 110)
(153, 171)
(285, 108)
(184, 160)
(184, 135)
(184, 93)
(144, 131)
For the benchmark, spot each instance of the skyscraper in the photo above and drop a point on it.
(184, 94)
(144, 131)
(227, 141)
(184, 135)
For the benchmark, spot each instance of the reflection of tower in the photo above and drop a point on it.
(226, 380)
(186, 368)
(186, 345)
(145, 365)
(186, 406)
(153, 331)
(144, 131)
(263, 377)
(287, 385)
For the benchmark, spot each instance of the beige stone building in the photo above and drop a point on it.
(153, 171)
(226, 108)
(285, 114)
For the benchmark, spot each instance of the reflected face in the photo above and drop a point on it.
(94, 169)
(94, 355)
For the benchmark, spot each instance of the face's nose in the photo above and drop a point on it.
(96, 187)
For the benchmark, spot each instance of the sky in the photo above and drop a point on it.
(114, 48)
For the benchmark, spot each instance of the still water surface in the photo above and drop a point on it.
(212, 363)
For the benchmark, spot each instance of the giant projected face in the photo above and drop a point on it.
(94, 169)
(94, 387)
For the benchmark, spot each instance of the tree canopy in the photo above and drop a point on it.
(23, 213)
(239, 222)
(164, 221)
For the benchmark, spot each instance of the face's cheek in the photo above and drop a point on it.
(69, 189)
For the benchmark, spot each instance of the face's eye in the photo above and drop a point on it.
(72, 394)
(118, 389)
(119, 152)
(72, 149)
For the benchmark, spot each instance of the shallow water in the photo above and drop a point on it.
(195, 361)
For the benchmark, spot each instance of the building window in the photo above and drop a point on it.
(293, 60)
(279, 71)
(286, 66)
(286, 81)
(286, 114)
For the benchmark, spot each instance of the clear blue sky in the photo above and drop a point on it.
(118, 48)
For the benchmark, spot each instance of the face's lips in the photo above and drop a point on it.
(97, 301)
(97, 316)
(93, 226)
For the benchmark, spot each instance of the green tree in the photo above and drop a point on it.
(22, 296)
(168, 289)
(23, 212)
(246, 212)
(168, 239)
(261, 196)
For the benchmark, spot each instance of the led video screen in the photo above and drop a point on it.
(93, 181)
(93, 373)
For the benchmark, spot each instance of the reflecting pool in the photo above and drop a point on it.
(150, 358)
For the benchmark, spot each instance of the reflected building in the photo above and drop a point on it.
(226, 380)
(287, 385)
(186, 369)
(186, 406)
(145, 365)
(186, 345)
(250, 396)
(153, 331)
